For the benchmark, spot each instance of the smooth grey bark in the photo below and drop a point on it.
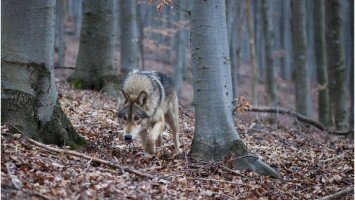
(59, 31)
(321, 62)
(269, 49)
(215, 135)
(312, 71)
(231, 9)
(300, 57)
(336, 67)
(253, 59)
(351, 65)
(285, 60)
(180, 50)
(130, 53)
(141, 19)
(28, 89)
(95, 65)
(259, 39)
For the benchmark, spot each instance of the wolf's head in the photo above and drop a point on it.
(132, 115)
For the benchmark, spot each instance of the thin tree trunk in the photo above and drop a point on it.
(59, 31)
(95, 65)
(285, 40)
(231, 25)
(239, 38)
(180, 52)
(300, 57)
(253, 60)
(269, 49)
(336, 67)
(321, 62)
(29, 96)
(259, 41)
(130, 56)
(351, 66)
(215, 135)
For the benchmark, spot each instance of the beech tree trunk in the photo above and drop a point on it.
(300, 57)
(28, 90)
(269, 49)
(321, 62)
(351, 66)
(95, 65)
(59, 31)
(130, 53)
(180, 51)
(254, 65)
(336, 67)
(215, 135)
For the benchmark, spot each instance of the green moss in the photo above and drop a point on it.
(77, 83)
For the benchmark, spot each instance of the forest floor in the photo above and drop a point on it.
(312, 164)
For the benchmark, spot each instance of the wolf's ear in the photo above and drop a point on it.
(142, 98)
(124, 94)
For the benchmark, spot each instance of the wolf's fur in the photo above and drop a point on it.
(149, 100)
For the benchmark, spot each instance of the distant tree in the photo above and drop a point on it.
(285, 32)
(215, 135)
(300, 57)
(59, 31)
(28, 89)
(259, 39)
(321, 62)
(130, 51)
(336, 66)
(95, 65)
(351, 67)
(253, 59)
(269, 49)
(237, 49)
(231, 8)
(180, 50)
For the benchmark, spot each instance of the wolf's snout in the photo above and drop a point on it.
(128, 137)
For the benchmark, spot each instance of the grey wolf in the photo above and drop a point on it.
(149, 100)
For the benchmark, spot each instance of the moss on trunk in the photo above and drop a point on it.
(17, 109)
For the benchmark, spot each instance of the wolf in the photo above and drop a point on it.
(149, 100)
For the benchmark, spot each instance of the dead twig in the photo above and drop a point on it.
(339, 194)
(299, 117)
(77, 154)
(214, 180)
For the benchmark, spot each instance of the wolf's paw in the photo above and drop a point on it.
(178, 151)
(148, 155)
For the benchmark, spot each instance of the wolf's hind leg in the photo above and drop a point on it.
(159, 140)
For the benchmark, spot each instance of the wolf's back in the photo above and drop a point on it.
(158, 86)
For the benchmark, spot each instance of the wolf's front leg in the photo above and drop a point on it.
(150, 146)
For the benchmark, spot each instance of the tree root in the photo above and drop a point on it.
(339, 194)
(300, 118)
(77, 154)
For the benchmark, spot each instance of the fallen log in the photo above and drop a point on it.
(299, 117)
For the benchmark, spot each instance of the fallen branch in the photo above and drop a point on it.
(338, 194)
(215, 180)
(300, 117)
(77, 154)
(59, 67)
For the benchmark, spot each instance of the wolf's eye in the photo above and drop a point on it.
(124, 117)
(136, 118)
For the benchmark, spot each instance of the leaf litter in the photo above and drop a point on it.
(312, 164)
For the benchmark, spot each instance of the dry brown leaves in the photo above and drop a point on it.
(311, 167)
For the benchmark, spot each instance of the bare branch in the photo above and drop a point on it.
(299, 117)
(338, 194)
